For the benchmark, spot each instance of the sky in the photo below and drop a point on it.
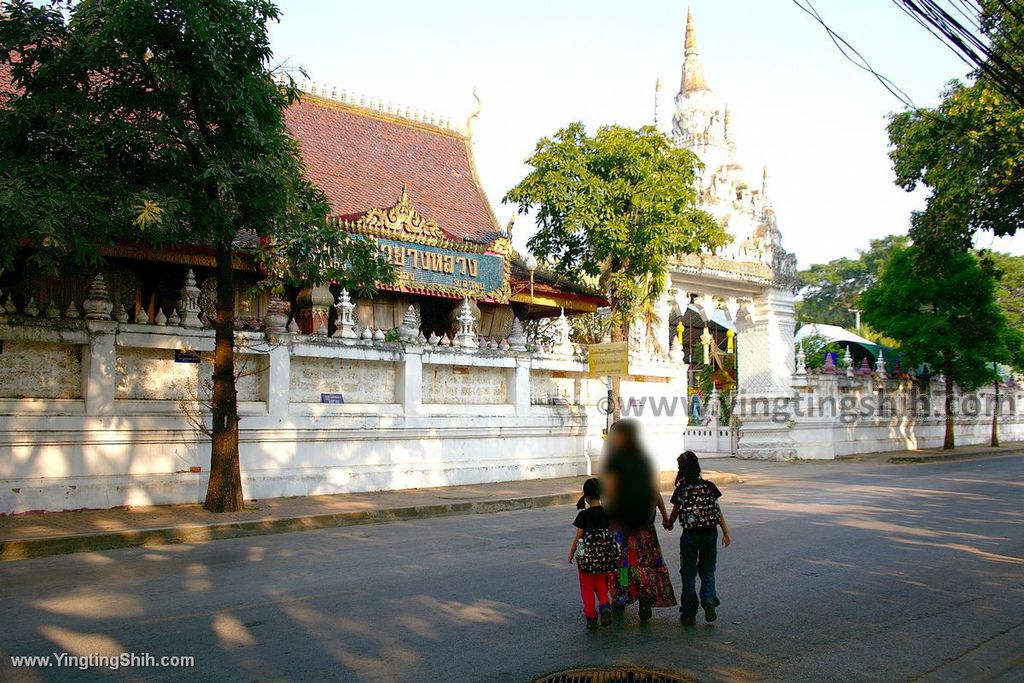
(798, 106)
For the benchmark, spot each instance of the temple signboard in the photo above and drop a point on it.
(429, 261)
(608, 360)
(427, 266)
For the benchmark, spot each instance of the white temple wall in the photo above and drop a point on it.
(91, 415)
(873, 415)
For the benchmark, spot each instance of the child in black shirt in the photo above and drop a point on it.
(695, 504)
(592, 528)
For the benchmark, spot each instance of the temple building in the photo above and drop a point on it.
(436, 380)
(702, 124)
(738, 301)
(408, 182)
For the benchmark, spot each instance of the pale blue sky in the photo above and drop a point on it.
(797, 105)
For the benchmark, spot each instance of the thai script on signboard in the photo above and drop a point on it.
(428, 266)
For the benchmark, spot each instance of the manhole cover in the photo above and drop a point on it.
(611, 675)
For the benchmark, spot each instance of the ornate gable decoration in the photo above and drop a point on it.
(429, 261)
(402, 218)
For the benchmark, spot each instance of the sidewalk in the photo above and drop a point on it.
(53, 533)
(937, 454)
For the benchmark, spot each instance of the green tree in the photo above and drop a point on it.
(616, 205)
(968, 151)
(1009, 273)
(160, 121)
(944, 314)
(831, 289)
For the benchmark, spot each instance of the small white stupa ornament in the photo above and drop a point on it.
(97, 305)
(466, 336)
(516, 339)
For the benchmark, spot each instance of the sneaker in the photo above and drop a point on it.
(688, 619)
(709, 612)
(606, 617)
(591, 624)
(645, 610)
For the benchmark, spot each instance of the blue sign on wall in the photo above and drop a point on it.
(446, 270)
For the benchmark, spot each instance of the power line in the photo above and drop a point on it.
(857, 59)
(969, 43)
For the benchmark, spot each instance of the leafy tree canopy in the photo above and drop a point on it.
(831, 289)
(1009, 273)
(946, 316)
(969, 151)
(158, 121)
(617, 204)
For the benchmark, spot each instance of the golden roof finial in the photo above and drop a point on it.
(693, 70)
(691, 34)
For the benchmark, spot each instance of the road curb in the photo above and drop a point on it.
(12, 550)
(61, 545)
(949, 457)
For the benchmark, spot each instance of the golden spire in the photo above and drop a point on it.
(691, 34)
(693, 70)
(657, 103)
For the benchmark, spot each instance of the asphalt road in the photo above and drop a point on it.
(838, 572)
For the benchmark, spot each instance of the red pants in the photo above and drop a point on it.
(591, 585)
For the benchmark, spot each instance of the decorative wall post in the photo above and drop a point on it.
(766, 361)
(276, 381)
(521, 386)
(409, 389)
(344, 324)
(190, 303)
(99, 367)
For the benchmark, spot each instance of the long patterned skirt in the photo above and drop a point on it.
(642, 572)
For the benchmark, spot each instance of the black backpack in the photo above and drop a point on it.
(597, 552)
(698, 507)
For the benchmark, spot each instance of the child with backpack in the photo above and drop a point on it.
(596, 554)
(695, 505)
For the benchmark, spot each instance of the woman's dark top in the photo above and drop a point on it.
(592, 518)
(633, 505)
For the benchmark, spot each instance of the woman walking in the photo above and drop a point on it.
(631, 492)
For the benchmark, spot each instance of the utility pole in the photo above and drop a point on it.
(856, 316)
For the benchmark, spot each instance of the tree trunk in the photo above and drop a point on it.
(949, 442)
(224, 493)
(995, 416)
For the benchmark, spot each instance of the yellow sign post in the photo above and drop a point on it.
(609, 360)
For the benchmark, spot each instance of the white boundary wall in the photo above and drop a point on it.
(830, 415)
(91, 415)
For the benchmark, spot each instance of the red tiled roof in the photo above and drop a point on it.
(6, 84)
(362, 158)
